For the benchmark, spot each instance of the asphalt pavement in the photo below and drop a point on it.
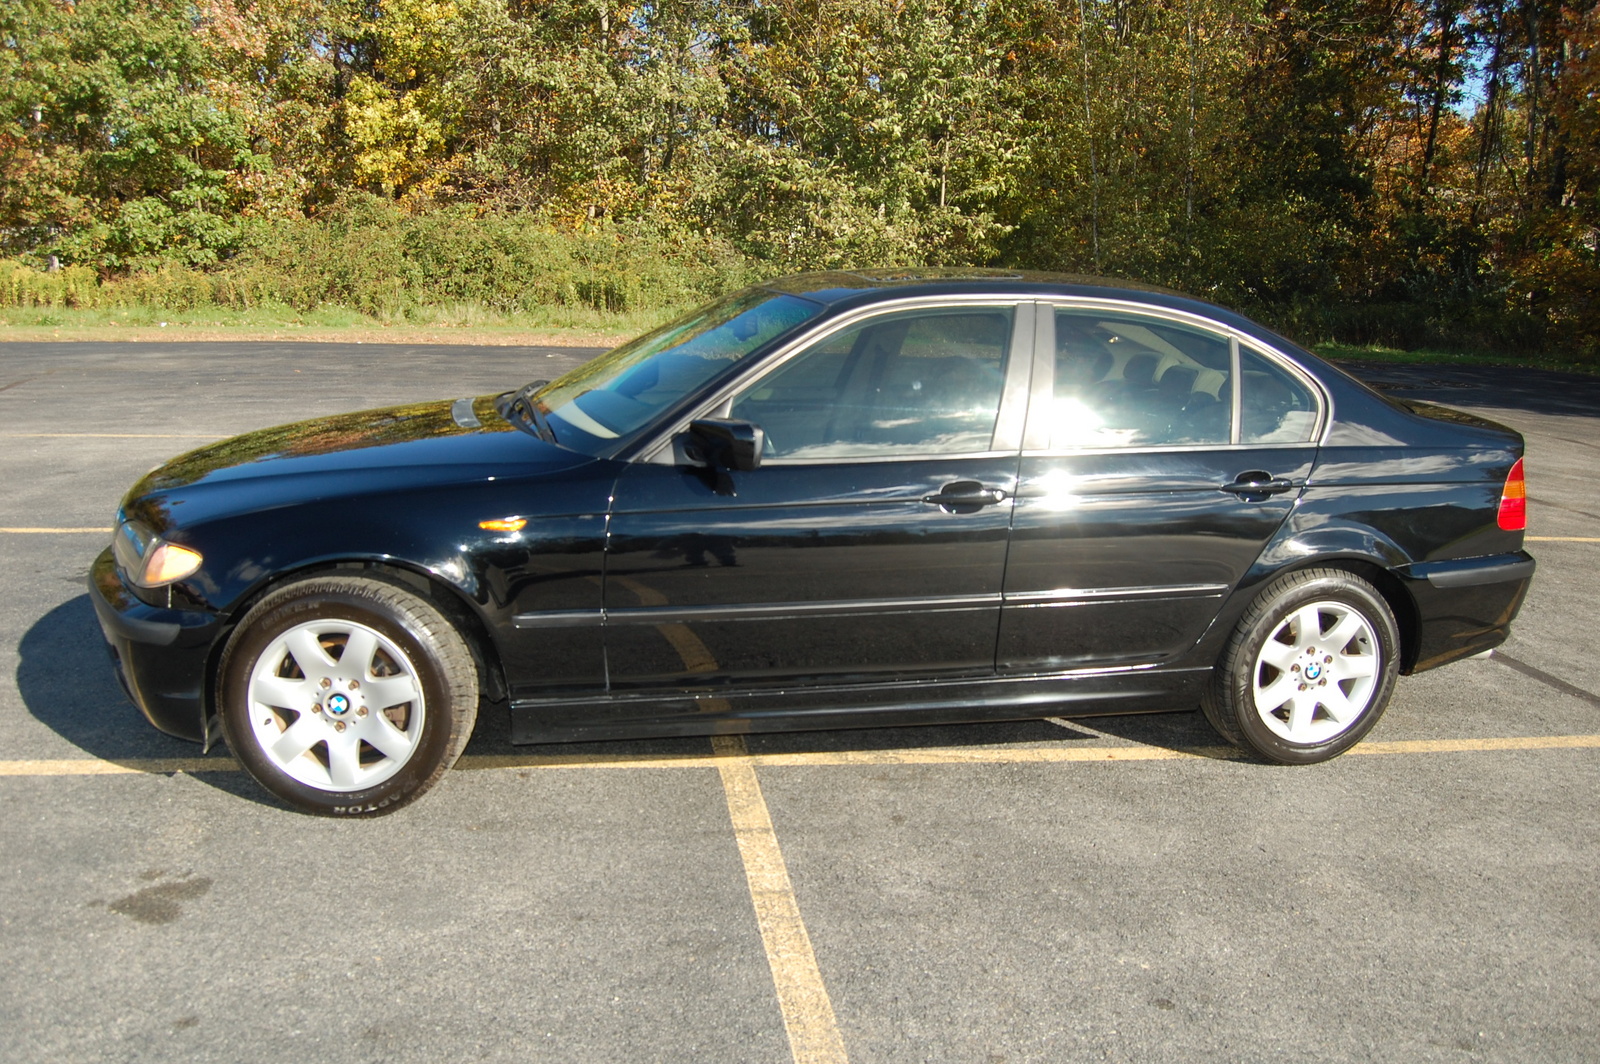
(1114, 889)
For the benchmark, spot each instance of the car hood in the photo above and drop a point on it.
(394, 448)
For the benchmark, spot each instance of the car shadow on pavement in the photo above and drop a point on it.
(67, 681)
(1187, 731)
(1182, 731)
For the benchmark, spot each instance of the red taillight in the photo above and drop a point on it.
(1514, 501)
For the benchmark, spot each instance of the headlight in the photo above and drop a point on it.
(148, 560)
(166, 563)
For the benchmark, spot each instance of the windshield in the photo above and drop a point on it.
(624, 389)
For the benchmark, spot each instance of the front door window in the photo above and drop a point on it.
(923, 383)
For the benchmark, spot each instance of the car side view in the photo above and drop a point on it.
(832, 501)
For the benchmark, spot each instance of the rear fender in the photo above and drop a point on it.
(1322, 542)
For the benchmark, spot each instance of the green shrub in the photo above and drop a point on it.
(368, 255)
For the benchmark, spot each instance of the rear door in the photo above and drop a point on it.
(1160, 456)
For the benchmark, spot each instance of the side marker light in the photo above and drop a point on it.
(504, 524)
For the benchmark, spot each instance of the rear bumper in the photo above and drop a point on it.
(159, 654)
(1465, 606)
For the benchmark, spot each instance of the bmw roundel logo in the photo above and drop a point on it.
(1312, 672)
(338, 705)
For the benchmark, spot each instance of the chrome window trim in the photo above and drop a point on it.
(1045, 365)
(1072, 452)
(657, 448)
(873, 459)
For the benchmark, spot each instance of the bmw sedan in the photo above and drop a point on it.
(834, 500)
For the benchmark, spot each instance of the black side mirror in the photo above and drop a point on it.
(731, 444)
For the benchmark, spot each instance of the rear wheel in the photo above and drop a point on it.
(1309, 669)
(347, 696)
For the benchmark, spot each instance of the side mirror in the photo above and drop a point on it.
(731, 444)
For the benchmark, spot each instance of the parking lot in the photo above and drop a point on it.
(1111, 889)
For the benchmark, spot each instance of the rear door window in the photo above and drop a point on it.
(1128, 381)
(1275, 406)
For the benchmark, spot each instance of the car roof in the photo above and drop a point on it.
(855, 287)
(846, 289)
(831, 286)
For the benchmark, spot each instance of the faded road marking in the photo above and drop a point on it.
(802, 997)
(1553, 682)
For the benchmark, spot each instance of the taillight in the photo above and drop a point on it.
(1514, 501)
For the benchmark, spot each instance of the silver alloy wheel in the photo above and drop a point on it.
(335, 705)
(1317, 673)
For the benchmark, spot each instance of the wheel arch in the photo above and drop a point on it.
(1403, 607)
(450, 600)
(1373, 567)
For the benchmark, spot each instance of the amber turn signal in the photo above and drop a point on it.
(503, 524)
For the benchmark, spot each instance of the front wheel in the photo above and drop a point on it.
(1309, 669)
(347, 696)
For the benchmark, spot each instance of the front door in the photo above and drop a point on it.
(870, 544)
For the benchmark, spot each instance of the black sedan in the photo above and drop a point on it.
(836, 500)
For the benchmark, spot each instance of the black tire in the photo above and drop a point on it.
(1333, 688)
(380, 731)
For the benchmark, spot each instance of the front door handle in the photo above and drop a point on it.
(1259, 482)
(965, 497)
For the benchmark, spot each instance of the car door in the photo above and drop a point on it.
(870, 543)
(1160, 456)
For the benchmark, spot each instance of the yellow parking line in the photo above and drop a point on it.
(803, 1000)
(956, 755)
(83, 766)
(1562, 539)
(802, 996)
(21, 530)
(1452, 746)
(961, 755)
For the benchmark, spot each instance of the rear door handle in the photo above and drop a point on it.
(965, 496)
(1259, 482)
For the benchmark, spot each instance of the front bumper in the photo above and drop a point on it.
(1465, 606)
(160, 654)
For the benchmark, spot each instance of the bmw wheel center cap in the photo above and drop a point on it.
(337, 705)
(1313, 671)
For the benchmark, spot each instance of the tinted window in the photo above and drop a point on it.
(1275, 407)
(1126, 381)
(919, 383)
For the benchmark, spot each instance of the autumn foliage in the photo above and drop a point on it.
(1401, 171)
